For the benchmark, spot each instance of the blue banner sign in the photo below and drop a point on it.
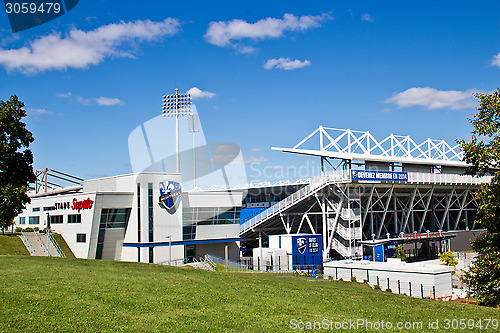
(389, 176)
(307, 250)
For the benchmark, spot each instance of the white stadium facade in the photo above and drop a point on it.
(370, 193)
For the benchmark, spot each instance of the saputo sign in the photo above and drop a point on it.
(83, 204)
(75, 205)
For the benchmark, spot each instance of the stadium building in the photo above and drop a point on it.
(370, 197)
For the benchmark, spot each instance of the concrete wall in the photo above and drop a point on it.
(462, 241)
(218, 250)
(412, 279)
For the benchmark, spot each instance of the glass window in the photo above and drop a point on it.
(36, 209)
(111, 218)
(81, 238)
(75, 218)
(34, 220)
(56, 219)
(150, 214)
(22, 220)
(49, 208)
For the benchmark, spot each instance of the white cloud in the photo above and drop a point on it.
(367, 17)
(104, 101)
(37, 113)
(286, 64)
(496, 60)
(197, 93)
(228, 149)
(225, 33)
(66, 95)
(250, 160)
(80, 49)
(253, 150)
(432, 99)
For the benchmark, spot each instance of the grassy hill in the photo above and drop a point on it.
(41, 294)
(12, 245)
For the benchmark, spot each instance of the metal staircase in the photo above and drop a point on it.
(316, 184)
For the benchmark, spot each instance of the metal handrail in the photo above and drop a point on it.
(345, 176)
(27, 243)
(45, 248)
(315, 185)
(349, 233)
(55, 244)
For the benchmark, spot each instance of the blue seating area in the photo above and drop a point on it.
(247, 213)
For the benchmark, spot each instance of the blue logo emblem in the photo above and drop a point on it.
(301, 245)
(170, 193)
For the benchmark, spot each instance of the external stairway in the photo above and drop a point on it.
(41, 244)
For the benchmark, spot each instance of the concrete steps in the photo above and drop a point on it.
(39, 244)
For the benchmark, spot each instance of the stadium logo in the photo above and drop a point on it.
(301, 245)
(170, 192)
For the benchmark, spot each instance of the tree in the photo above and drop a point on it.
(399, 252)
(16, 160)
(449, 259)
(483, 154)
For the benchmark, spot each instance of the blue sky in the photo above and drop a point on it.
(268, 73)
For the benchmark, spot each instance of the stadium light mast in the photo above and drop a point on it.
(194, 128)
(177, 105)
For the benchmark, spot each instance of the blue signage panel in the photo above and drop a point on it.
(307, 250)
(389, 176)
(391, 248)
(378, 252)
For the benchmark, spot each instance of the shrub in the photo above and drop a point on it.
(377, 287)
(330, 277)
(44, 230)
(365, 281)
(29, 229)
(36, 229)
(389, 290)
(400, 253)
(353, 279)
(19, 229)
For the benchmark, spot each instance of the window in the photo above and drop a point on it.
(150, 221)
(111, 218)
(22, 220)
(76, 218)
(150, 212)
(36, 209)
(81, 238)
(49, 208)
(56, 219)
(211, 216)
(34, 220)
(138, 221)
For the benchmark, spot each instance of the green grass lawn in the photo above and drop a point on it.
(12, 245)
(43, 294)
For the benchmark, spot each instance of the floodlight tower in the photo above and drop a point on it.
(177, 105)
(194, 128)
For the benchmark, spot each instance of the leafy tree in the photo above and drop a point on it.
(449, 259)
(16, 160)
(483, 153)
(399, 252)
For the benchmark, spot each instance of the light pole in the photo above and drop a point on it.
(177, 105)
(193, 128)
